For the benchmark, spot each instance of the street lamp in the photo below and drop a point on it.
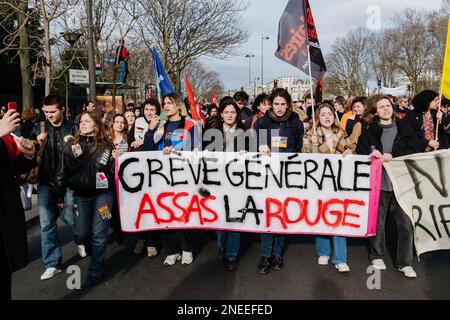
(71, 38)
(102, 46)
(249, 56)
(262, 58)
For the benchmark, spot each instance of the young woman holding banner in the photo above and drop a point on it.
(378, 140)
(289, 139)
(177, 133)
(329, 139)
(230, 126)
(118, 134)
(87, 167)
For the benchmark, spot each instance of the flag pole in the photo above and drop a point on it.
(310, 71)
(312, 93)
(438, 121)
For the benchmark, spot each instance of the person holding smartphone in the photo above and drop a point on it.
(17, 155)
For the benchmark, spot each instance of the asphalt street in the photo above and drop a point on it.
(130, 277)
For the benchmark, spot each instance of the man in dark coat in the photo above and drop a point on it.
(16, 156)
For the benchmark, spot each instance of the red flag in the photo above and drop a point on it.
(318, 91)
(214, 100)
(196, 114)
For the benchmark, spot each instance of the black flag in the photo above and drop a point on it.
(295, 29)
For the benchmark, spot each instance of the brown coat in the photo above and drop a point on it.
(341, 143)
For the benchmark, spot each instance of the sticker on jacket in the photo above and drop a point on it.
(101, 181)
(105, 158)
(279, 142)
(76, 149)
(177, 139)
(104, 212)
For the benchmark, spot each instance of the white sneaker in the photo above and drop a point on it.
(172, 259)
(187, 258)
(82, 251)
(152, 252)
(408, 272)
(378, 264)
(50, 273)
(342, 267)
(323, 260)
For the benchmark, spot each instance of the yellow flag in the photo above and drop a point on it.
(445, 84)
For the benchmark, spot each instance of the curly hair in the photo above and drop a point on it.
(422, 101)
(263, 97)
(370, 113)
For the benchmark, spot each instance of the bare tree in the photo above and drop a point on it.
(415, 44)
(20, 9)
(348, 63)
(384, 53)
(183, 30)
(141, 70)
(438, 27)
(203, 81)
(127, 14)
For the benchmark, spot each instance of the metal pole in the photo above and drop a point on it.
(91, 59)
(262, 61)
(312, 93)
(67, 95)
(249, 70)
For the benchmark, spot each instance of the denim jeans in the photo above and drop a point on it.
(93, 230)
(48, 216)
(229, 242)
(122, 76)
(405, 244)
(323, 248)
(271, 245)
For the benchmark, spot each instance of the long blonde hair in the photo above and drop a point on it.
(335, 127)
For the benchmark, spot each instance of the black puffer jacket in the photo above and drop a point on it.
(53, 148)
(80, 173)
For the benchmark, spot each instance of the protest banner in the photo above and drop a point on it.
(284, 193)
(421, 184)
(395, 92)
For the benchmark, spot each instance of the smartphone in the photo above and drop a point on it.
(12, 106)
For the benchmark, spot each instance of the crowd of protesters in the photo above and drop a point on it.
(76, 177)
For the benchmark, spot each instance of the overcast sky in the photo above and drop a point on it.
(333, 18)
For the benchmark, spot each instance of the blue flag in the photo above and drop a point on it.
(162, 80)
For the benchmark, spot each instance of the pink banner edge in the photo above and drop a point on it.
(376, 169)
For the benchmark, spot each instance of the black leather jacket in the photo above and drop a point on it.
(79, 173)
(53, 148)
